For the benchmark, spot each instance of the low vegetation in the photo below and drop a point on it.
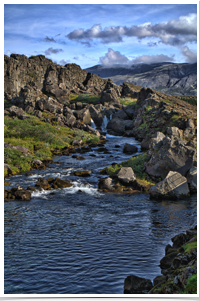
(84, 98)
(39, 138)
(137, 164)
(128, 101)
(190, 99)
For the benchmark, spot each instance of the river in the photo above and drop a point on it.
(82, 241)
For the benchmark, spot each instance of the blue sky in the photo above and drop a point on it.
(108, 34)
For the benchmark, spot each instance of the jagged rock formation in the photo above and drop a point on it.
(169, 78)
(28, 78)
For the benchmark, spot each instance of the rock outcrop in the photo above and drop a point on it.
(178, 268)
(25, 79)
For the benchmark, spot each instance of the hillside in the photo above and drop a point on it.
(169, 78)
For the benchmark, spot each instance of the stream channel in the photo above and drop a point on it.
(81, 240)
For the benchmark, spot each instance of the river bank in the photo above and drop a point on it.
(86, 237)
(178, 268)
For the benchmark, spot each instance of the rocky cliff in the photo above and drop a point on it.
(29, 78)
(169, 78)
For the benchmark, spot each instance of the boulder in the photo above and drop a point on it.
(172, 156)
(38, 113)
(15, 111)
(96, 115)
(137, 285)
(129, 149)
(88, 128)
(157, 141)
(50, 105)
(116, 125)
(129, 124)
(43, 183)
(172, 187)
(83, 115)
(70, 119)
(22, 194)
(109, 96)
(105, 183)
(174, 131)
(130, 110)
(192, 179)
(126, 175)
(121, 114)
(82, 173)
(59, 183)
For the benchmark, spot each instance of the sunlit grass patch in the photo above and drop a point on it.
(84, 98)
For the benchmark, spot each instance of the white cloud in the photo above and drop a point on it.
(190, 56)
(172, 32)
(113, 58)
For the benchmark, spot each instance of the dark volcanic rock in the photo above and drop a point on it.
(137, 285)
(129, 149)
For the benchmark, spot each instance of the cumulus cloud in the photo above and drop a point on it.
(115, 58)
(190, 56)
(51, 50)
(172, 32)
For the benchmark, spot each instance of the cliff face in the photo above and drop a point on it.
(24, 77)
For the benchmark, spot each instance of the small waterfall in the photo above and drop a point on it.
(110, 116)
(104, 123)
(92, 124)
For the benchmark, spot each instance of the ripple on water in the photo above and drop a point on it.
(82, 241)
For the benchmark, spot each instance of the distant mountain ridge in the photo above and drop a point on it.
(169, 78)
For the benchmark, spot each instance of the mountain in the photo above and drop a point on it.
(170, 78)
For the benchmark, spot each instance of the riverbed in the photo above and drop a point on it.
(79, 240)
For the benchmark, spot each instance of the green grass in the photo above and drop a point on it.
(7, 104)
(84, 98)
(128, 101)
(191, 285)
(32, 75)
(137, 164)
(39, 138)
(190, 247)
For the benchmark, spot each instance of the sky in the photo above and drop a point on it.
(107, 34)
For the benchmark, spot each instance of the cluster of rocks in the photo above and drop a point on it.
(123, 181)
(19, 193)
(177, 266)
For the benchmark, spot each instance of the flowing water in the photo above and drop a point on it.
(82, 241)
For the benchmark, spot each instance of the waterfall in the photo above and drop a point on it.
(92, 124)
(105, 123)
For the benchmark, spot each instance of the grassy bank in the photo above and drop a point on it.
(39, 138)
(136, 163)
